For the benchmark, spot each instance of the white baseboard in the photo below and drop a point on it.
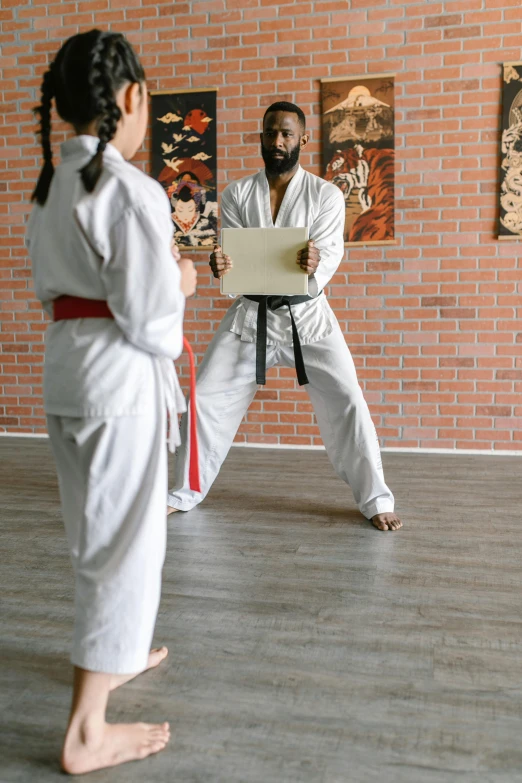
(24, 434)
(480, 452)
(291, 446)
(389, 449)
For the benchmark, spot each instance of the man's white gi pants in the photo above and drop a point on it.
(113, 479)
(226, 386)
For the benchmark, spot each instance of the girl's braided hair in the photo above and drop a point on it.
(84, 78)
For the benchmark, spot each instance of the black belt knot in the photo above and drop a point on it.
(275, 303)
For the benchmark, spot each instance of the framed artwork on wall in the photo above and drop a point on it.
(358, 145)
(184, 161)
(510, 224)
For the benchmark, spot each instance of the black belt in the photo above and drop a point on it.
(274, 303)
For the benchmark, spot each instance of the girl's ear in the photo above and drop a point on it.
(131, 97)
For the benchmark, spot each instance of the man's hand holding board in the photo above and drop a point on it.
(219, 262)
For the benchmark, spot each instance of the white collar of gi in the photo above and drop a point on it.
(288, 198)
(80, 146)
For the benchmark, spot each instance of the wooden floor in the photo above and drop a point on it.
(305, 645)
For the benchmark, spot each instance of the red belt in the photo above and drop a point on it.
(68, 307)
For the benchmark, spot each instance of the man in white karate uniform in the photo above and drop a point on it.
(261, 332)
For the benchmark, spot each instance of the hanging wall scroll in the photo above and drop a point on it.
(358, 145)
(511, 154)
(184, 161)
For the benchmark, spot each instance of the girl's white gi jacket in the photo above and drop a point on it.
(112, 244)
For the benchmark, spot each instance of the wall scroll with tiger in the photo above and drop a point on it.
(184, 161)
(359, 153)
(511, 154)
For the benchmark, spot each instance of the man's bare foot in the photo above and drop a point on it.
(155, 658)
(387, 521)
(171, 510)
(87, 748)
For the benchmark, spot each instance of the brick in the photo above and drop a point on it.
(445, 20)
(471, 31)
(494, 410)
(462, 86)
(509, 375)
(294, 61)
(439, 301)
(456, 362)
(458, 312)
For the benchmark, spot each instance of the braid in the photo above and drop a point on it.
(104, 54)
(44, 111)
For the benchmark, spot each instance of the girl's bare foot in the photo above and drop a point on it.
(387, 521)
(88, 748)
(171, 510)
(155, 658)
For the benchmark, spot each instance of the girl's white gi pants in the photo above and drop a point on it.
(113, 479)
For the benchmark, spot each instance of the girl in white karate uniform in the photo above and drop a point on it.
(100, 238)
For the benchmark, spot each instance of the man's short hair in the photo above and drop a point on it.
(291, 108)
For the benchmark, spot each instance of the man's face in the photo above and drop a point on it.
(281, 141)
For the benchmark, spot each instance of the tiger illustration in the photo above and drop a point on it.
(372, 172)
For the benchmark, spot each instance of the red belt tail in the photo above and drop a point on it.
(194, 479)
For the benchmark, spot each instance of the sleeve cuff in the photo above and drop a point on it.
(313, 287)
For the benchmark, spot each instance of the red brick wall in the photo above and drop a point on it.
(432, 322)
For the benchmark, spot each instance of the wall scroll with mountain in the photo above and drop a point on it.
(359, 153)
(184, 148)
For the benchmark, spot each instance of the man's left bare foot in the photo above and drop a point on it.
(155, 658)
(387, 521)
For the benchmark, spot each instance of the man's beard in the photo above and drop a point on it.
(280, 165)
